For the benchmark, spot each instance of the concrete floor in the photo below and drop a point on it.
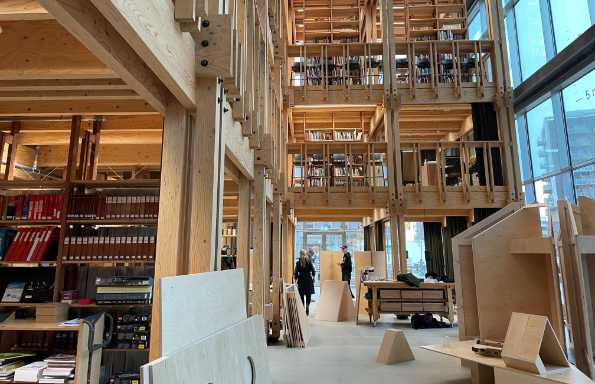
(344, 353)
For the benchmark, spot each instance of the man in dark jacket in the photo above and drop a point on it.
(346, 267)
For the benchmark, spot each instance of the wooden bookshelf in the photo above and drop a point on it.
(28, 264)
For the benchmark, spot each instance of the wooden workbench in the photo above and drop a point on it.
(402, 299)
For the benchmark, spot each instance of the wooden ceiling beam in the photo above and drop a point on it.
(107, 137)
(75, 107)
(85, 22)
(22, 10)
(55, 95)
(111, 155)
(142, 123)
(63, 85)
(170, 55)
(45, 50)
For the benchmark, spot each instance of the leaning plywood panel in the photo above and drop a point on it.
(468, 318)
(587, 207)
(506, 282)
(329, 265)
(575, 276)
(235, 355)
(362, 259)
(335, 302)
(379, 263)
(196, 306)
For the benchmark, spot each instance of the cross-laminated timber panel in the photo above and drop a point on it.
(512, 280)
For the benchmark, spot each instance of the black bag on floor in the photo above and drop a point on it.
(427, 321)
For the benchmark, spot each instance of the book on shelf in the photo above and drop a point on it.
(111, 205)
(27, 206)
(124, 290)
(6, 237)
(131, 331)
(110, 244)
(13, 292)
(10, 362)
(30, 373)
(32, 244)
(60, 369)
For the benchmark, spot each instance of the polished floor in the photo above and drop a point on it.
(344, 353)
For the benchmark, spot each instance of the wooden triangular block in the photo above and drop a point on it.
(336, 303)
(394, 348)
(531, 344)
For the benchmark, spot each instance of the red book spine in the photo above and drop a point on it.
(11, 249)
(22, 251)
(34, 244)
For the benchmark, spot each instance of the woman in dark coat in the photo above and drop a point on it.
(304, 273)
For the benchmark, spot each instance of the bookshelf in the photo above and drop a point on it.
(96, 216)
(430, 20)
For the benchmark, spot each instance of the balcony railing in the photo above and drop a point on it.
(442, 167)
(337, 167)
(423, 68)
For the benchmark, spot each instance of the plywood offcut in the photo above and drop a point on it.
(506, 282)
(329, 265)
(531, 344)
(235, 355)
(196, 306)
(335, 302)
(394, 348)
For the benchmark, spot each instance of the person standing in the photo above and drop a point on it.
(304, 273)
(346, 267)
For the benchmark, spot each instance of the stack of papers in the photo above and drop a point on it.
(59, 370)
(30, 373)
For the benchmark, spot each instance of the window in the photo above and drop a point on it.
(530, 36)
(523, 147)
(570, 19)
(579, 105)
(549, 191)
(529, 191)
(416, 249)
(478, 25)
(548, 149)
(583, 180)
(388, 249)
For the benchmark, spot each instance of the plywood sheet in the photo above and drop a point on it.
(196, 306)
(565, 376)
(362, 259)
(468, 317)
(507, 283)
(222, 358)
(379, 263)
(296, 323)
(335, 302)
(329, 265)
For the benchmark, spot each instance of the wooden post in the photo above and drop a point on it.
(12, 150)
(277, 252)
(402, 245)
(259, 242)
(83, 156)
(172, 236)
(243, 232)
(206, 176)
(288, 237)
(95, 150)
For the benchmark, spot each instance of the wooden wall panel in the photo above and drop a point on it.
(329, 265)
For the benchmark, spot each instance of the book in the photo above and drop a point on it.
(13, 292)
(11, 357)
(30, 373)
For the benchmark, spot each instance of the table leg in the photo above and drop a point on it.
(375, 304)
(482, 374)
(451, 309)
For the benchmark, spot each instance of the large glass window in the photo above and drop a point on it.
(570, 19)
(530, 36)
(584, 181)
(548, 149)
(579, 105)
(523, 148)
(478, 25)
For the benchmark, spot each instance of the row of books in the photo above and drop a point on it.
(110, 244)
(31, 244)
(124, 290)
(47, 206)
(114, 206)
(30, 291)
(132, 331)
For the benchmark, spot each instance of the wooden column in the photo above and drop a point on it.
(172, 236)
(402, 245)
(259, 242)
(12, 150)
(277, 255)
(206, 176)
(95, 150)
(288, 235)
(243, 231)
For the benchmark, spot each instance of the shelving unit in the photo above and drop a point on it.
(79, 275)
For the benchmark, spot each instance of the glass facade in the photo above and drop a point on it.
(556, 141)
(536, 30)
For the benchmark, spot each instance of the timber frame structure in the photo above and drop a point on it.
(247, 108)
